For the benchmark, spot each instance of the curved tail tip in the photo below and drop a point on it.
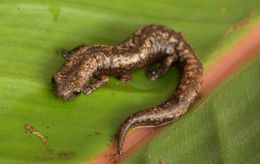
(120, 147)
(120, 152)
(125, 127)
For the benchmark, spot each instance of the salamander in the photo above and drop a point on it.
(88, 68)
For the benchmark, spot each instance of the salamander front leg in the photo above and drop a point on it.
(163, 68)
(67, 53)
(89, 88)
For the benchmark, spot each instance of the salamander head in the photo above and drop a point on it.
(73, 77)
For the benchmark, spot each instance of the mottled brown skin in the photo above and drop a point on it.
(150, 44)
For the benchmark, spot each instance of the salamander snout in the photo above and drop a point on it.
(63, 91)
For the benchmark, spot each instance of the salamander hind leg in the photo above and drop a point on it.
(165, 65)
(89, 88)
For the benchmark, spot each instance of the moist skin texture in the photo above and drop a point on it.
(88, 67)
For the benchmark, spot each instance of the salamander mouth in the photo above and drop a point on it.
(72, 95)
(67, 96)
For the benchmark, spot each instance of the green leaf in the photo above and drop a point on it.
(32, 35)
(223, 128)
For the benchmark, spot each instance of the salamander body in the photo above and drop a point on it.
(150, 44)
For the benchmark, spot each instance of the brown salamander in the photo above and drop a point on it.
(150, 44)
